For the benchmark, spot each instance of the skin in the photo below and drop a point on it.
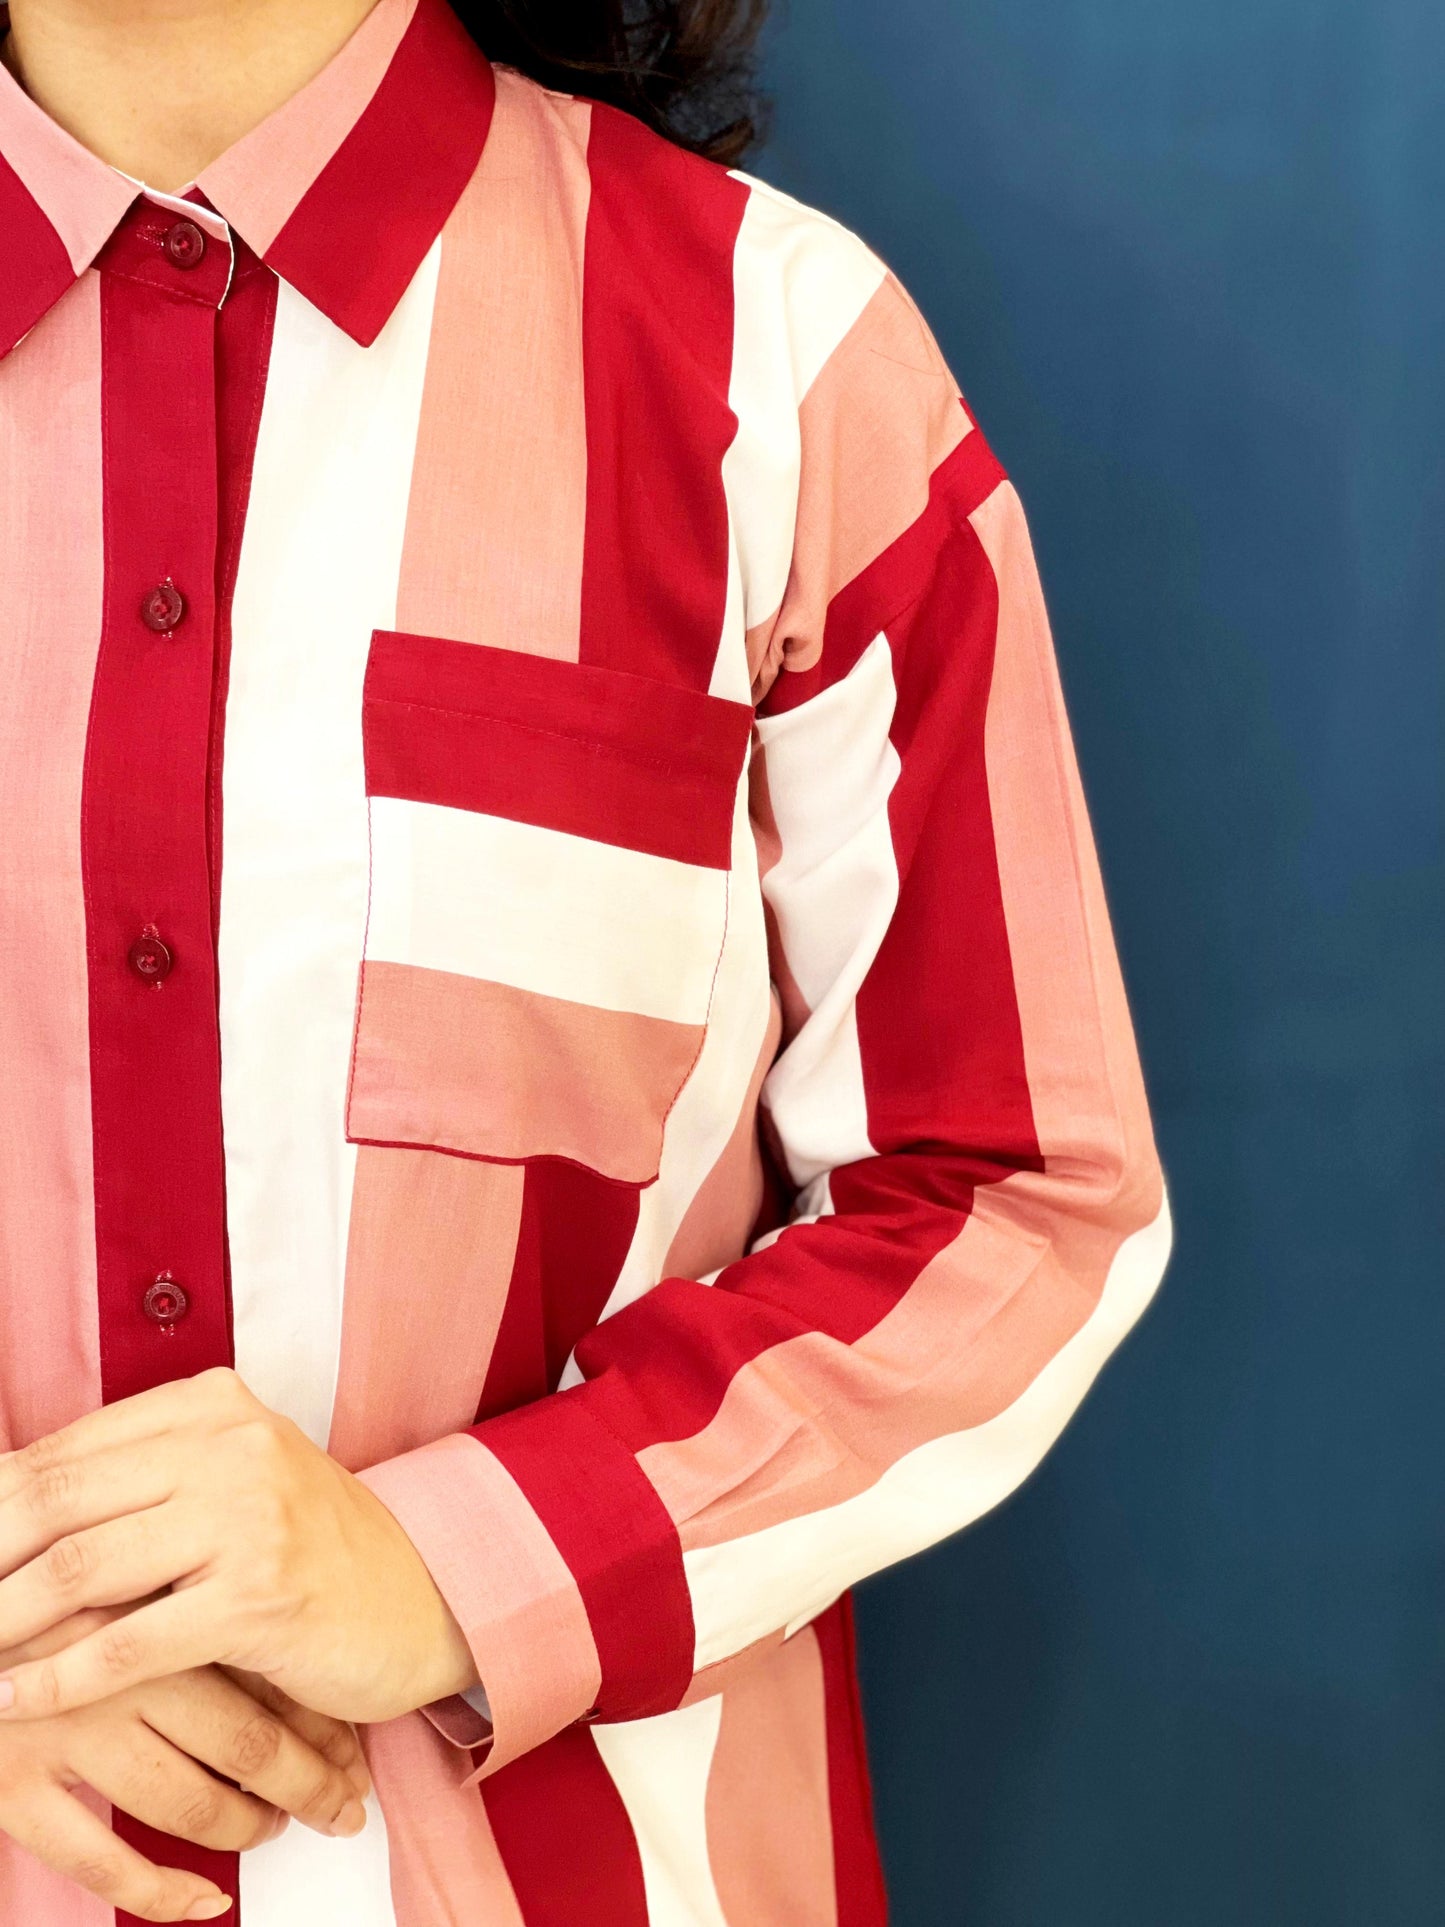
(179, 1563)
(243, 1545)
(155, 1753)
(159, 88)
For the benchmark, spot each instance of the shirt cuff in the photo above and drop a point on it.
(509, 1589)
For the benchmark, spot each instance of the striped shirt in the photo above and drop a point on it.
(548, 917)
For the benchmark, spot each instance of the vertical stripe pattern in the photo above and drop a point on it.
(625, 1046)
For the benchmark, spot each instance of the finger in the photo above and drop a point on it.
(56, 1638)
(109, 1565)
(73, 1494)
(335, 1740)
(211, 1718)
(58, 1829)
(138, 1770)
(180, 1631)
(209, 1397)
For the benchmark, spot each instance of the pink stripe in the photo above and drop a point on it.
(445, 1867)
(504, 1578)
(1085, 1079)
(943, 1359)
(489, 1071)
(719, 1219)
(592, 752)
(413, 1362)
(619, 1545)
(877, 595)
(50, 614)
(1027, 1268)
(31, 1895)
(429, 117)
(718, 1677)
(501, 447)
(260, 178)
(80, 196)
(769, 1828)
(880, 417)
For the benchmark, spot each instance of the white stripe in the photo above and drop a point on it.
(705, 1114)
(306, 1880)
(318, 571)
(543, 911)
(831, 770)
(800, 282)
(829, 275)
(660, 1767)
(787, 1573)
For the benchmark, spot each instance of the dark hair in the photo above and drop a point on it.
(685, 67)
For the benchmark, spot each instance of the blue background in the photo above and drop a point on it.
(1186, 261)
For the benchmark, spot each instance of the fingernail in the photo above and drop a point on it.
(7, 1695)
(351, 1819)
(209, 1909)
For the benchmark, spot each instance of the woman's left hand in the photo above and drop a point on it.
(277, 1561)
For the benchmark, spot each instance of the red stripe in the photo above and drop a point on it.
(149, 835)
(35, 268)
(944, 1119)
(858, 1872)
(593, 752)
(841, 1276)
(155, 1052)
(619, 1544)
(970, 1087)
(565, 1838)
(426, 122)
(657, 320)
(876, 598)
(575, 1232)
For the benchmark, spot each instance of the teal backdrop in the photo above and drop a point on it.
(1187, 263)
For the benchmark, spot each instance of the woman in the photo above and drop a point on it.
(569, 1090)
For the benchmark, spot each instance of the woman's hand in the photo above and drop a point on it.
(147, 1752)
(277, 1560)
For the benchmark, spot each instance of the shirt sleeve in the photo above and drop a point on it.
(979, 1213)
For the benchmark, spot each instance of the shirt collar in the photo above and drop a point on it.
(342, 190)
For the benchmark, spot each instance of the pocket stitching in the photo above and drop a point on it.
(596, 745)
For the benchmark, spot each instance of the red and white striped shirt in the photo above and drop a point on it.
(548, 916)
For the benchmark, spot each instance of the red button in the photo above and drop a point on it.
(184, 244)
(162, 607)
(149, 957)
(164, 1301)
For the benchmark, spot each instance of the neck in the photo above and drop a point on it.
(161, 87)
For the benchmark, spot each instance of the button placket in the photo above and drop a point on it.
(159, 1155)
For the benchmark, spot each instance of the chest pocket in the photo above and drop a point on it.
(550, 854)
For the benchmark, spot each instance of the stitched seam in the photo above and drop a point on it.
(161, 288)
(594, 745)
(361, 973)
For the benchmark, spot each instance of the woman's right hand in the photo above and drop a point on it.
(147, 1751)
